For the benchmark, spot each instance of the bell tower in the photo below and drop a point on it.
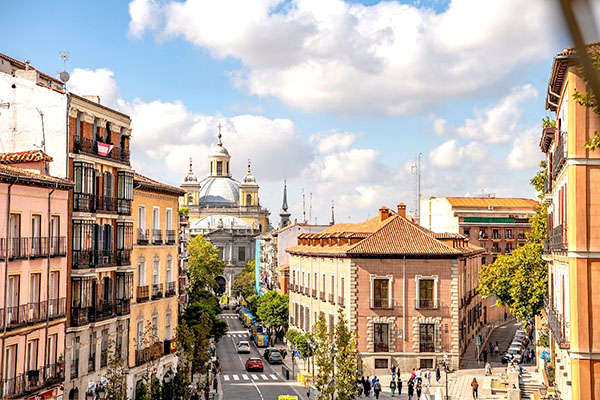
(249, 190)
(219, 160)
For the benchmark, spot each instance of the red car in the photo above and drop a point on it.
(254, 364)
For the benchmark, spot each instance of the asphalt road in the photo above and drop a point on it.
(236, 382)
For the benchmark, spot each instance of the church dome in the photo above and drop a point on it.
(220, 221)
(219, 191)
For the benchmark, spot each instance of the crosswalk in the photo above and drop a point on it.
(231, 316)
(238, 335)
(247, 377)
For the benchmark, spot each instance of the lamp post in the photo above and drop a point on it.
(445, 363)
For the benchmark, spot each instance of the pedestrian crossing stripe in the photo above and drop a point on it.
(244, 377)
(240, 335)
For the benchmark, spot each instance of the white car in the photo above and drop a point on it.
(513, 354)
(243, 347)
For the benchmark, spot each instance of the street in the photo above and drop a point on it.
(236, 382)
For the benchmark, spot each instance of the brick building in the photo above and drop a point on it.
(399, 285)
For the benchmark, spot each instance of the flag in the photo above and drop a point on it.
(104, 149)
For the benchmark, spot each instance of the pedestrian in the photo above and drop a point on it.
(399, 385)
(359, 386)
(438, 373)
(485, 353)
(428, 377)
(393, 369)
(496, 349)
(283, 353)
(488, 369)
(491, 348)
(393, 387)
(475, 386)
(367, 386)
(377, 388)
(418, 374)
(373, 381)
(419, 389)
(411, 388)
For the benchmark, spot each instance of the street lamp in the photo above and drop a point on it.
(445, 363)
(311, 347)
(101, 392)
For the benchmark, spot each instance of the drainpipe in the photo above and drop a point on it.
(6, 275)
(48, 280)
(403, 303)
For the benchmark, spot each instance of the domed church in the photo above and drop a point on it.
(226, 212)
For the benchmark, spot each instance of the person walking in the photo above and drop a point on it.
(367, 387)
(411, 388)
(485, 353)
(377, 388)
(399, 385)
(359, 386)
(393, 387)
(419, 388)
(488, 369)
(438, 373)
(475, 386)
(412, 374)
(393, 369)
(428, 377)
(418, 374)
(496, 349)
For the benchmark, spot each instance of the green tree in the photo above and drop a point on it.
(196, 314)
(204, 264)
(186, 341)
(272, 310)
(244, 282)
(116, 373)
(346, 359)
(520, 280)
(324, 359)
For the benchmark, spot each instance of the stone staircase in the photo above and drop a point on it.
(528, 384)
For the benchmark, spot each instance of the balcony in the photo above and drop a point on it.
(103, 311)
(548, 186)
(124, 257)
(123, 306)
(171, 289)
(157, 236)
(57, 308)
(124, 206)
(322, 296)
(331, 298)
(340, 300)
(380, 303)
(106, 204)
(75, 369)
(157, 291)
(58, 246)
(428, 304)
(557, 239)
(557, 325)
(83, 259)
(314, 293)
(84, 202)
(171, 236)
(18, 249)
(88, 146)
(142, 237)
(105, 258)
(80, 316)
(16, 317)
(37, 312)
(149, 353)
(38, 247)
(559, 156)
(143, 293)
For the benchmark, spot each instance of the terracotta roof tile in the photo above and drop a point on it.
(485, 202)
(151, 184)
(24, 157)
(24, 175)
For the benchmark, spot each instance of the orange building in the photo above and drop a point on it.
(572, 193)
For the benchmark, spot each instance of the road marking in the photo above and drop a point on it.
(253, 383)
(255, 377)
(264, 377)
(225, 377)
(245, 377)
(274, 377)
(236, 378)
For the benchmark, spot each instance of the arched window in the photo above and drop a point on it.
(190, 199)
(248, 199)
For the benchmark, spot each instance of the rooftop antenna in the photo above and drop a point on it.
(310, 208)
(303, 207)
(64, 75)
(43, 145)
(416, 171)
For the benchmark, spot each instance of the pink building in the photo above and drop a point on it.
(34, 214)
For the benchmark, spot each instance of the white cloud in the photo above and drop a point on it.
(439, 126)
(525, 152)
(499, 123)
(98, 82)
(451, 155)
(335, 141)
(398, 58)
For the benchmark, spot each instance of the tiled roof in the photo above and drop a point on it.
(151, 184)
(24, 176)
(447, 235)
(24, 157)
(496, 202)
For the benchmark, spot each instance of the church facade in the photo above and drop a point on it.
(226, 212)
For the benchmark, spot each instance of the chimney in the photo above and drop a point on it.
(402, 210)
(384, 213)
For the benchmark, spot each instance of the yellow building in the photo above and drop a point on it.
(154, 306)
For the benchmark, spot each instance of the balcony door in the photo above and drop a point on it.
(55, 234)
(32, 354)
(15, 235)
(36, 235)
(34, 296)
(10, 371)
(169, 217)
(13, 299)
(53, 306)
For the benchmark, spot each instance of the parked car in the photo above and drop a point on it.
(254, 364)
(269, 351)
(243, 347)
(274, 357)
(513, 354)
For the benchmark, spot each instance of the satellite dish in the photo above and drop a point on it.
(64, 76)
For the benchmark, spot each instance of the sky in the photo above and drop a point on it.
(336, 97)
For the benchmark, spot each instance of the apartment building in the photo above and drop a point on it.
(154, 308)
(573, 248)
(34, 215)
(398, 284)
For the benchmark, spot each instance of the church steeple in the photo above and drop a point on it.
(284, 215)
(190, 176)
(219, 159)
(332, 222)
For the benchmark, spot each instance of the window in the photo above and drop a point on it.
(169, 269)
(316, 281)
(92, 353)
(141, 217)
(426, 338)
(51, 353)
(140, 335)
(78, 126)
(119, 341)
(509, 234)
(467, 232)
(104, 349)
(168, 333)
(248, 199)
(155, 218)
(124, 236)
(220, 249)
(11, 363)
(107, 133)
(332, 288)
(34, 296)
(426, 293)
(95, 131)
(169, 219)
(495, 234)
(32, 354)
(381, 363)
(156, 271)
(83, 177)
(55, 247)
(341, 291)
(125, 185)
(381, 337)
(381, 293)
(13, 299)
(241, 254)
(107, 187)
(219, 168)
(331, 323)
(142, 273)
(36, 235)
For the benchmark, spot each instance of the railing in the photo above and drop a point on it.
(322, 296)
(37, 312)
(559, 156)
(431, 304)
(157, 291)
(340, 300)
(124, 206)
(143, 293)
(381, 347)
(149, 353)
(84, 202)
(58, 246)
(16, 317)
(482, 235)
(18, 248)
(13, 387)
(33, 247)
(38, 247)
(123, 306)
(82, 259)
(74, 369)
(156, 236)
(171, 236)
(55, 372)
(380, 303)
(57, 308)
(171, 289)
(80, 316)
(426, 347)
(331, 298)
(123, 257)
(557, 325)
(103, 312)
(105, 257)
(547, 186)
(142, 237)
(106, 204)
(314, 293)
(557, 238)
(88, 146)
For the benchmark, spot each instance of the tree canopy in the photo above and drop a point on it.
(273, 310)
(243, 284)
(203, 264)
(346, 358)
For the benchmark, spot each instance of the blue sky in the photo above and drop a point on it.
(336, 96)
